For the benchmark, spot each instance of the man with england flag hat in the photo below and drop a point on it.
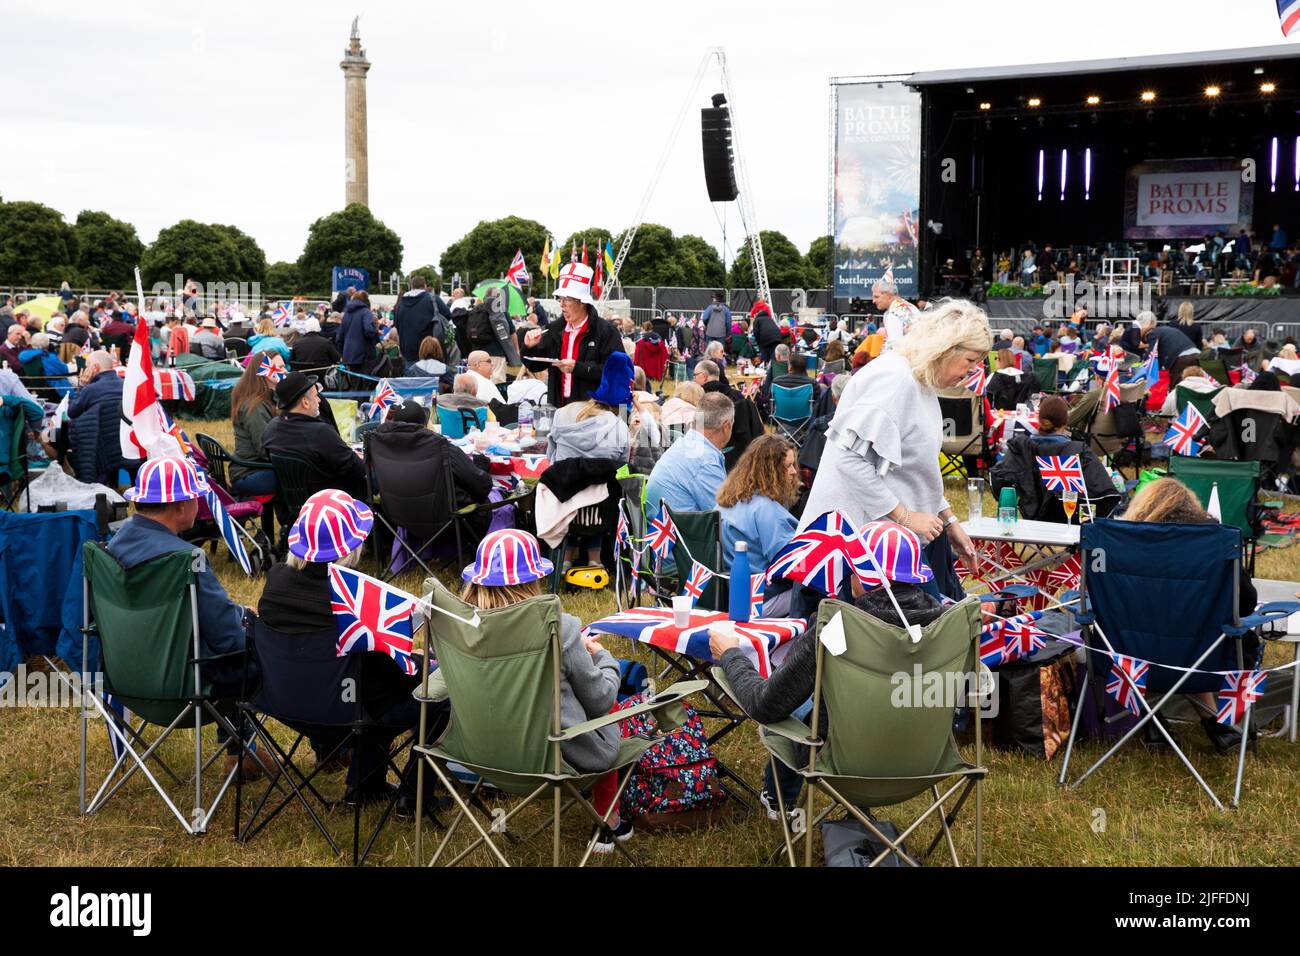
(574, 350)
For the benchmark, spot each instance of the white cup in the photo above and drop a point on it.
(682, 610)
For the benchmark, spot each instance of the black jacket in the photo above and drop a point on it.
(317, 441)
(747, 426)
(598, 343)
(434, 453)
(568, 477)
(94, 442)
(417, 316)
(312, 351)
(767, 334)
(1005, 392)
(1018, 470)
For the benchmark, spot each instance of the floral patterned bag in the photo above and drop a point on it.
(677, 773)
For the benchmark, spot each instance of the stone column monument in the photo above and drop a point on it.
(354, 67)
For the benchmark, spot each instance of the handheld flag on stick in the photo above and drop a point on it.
(383, 399)
(371, 616)
(1181, 436)
(1110, 397)
(976, 381)
(1061, 472)
(517, 274)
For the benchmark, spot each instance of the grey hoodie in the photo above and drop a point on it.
(600, 436)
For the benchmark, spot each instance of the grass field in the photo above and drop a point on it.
(1153, 812)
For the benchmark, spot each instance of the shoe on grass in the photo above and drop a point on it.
(622, 833)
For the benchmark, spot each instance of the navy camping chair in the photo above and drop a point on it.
(1166, 594)
(792, 410)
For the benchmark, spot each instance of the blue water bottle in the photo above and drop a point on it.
(738, 605)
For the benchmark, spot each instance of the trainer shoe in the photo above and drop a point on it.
(622, 833)
(773, 808)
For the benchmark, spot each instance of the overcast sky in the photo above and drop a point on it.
(233, 112)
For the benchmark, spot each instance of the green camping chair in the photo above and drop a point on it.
(1237, 484)
(502, 675)
(887, 753)
(1203, 402)
(15, 469)
(147, 622)
(1046, 372)
(740, 347)
(700, 534)
(1216, 370)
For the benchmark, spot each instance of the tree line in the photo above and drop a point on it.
(38, 247)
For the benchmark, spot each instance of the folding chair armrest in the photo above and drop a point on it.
(1264, 614)
(795, 730)
(491, 505)
(667, 697)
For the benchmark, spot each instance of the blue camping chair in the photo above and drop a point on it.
(792, 410)
(456, 422)
(1166, 594)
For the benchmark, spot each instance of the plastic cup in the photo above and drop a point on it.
(681, 610)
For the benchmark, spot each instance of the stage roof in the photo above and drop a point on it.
(1259, 54)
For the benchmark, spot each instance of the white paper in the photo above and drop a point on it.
(832, 636)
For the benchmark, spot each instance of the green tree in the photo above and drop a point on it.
(350, 237)
(430, 274)
(281, 279)
(701, 262)
(194, 250)
(37, 247)
(654, 258)
(252, 260)
(485, 252)
(108, 250)
(818, 262)
(785, 265)
(595, 239)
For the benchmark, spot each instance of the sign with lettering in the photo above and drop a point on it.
(1190, 198)
(877, 187)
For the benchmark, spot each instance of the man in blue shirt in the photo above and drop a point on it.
(690, 472)
(166, 494)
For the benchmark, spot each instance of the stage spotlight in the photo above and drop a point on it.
(1094, 100)
(1212, 91)
(1267, 87)
(970, 89)
(986, 106)
(1148, 96)
(1259, 71)
(1034, 101)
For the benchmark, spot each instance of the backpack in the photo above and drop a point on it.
(480, 329)
(677, 773)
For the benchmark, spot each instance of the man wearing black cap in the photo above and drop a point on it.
(300, 431)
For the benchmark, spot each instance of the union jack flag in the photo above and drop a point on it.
(1061, 473)
(383, 399)
(1288, 12)
(371, 616)
(1127, 673)
(281, 315)
(529, 466)
(697, 582)
(1021, 637)
(1181, 436)
(1065, 575)
(756, 585)
(269, 368)
(1240, 690)
(816, 556)
(1247, 374)
(976, 381)
(662, 532)
(623, 535)
(1110, 396)
(229, 529)
(654, 626)
(993, 645)
(518, 271)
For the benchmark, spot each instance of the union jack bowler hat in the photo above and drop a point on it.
(330, 525)
(898, 553)
(161, 481)
(507, 557)
(575, 283)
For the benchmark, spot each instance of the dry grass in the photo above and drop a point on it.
(1154, 813)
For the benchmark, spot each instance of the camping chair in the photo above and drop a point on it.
(740, 347)
(635, 510)
(1166, 594)
(300, 679)
(298, 479)
(792, 411)
(236, 347)
(426, 511)
(1203, 402)
(1046, 372)
(965, 436)
(456, 422)
(886, 754)
(833, 368)
(1237, 485)
(594, 521)
(218, 461)
(1119, 431)
(502, 675)
(1216, 369)
(36, 381)
(147, 622)
(14, 471)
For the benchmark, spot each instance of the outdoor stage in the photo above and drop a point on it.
(1095, 158)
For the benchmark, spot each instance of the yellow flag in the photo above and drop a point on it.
(555, 265)
(546, 256)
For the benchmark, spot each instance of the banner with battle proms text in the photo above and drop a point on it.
(1187, 198)
(877, 186)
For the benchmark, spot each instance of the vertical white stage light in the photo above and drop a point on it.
(1297, 164)
(1273, 167)
(1087, 173)
(1064, 154)
(1041, 156)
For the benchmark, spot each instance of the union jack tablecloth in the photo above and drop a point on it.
(759, 638)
